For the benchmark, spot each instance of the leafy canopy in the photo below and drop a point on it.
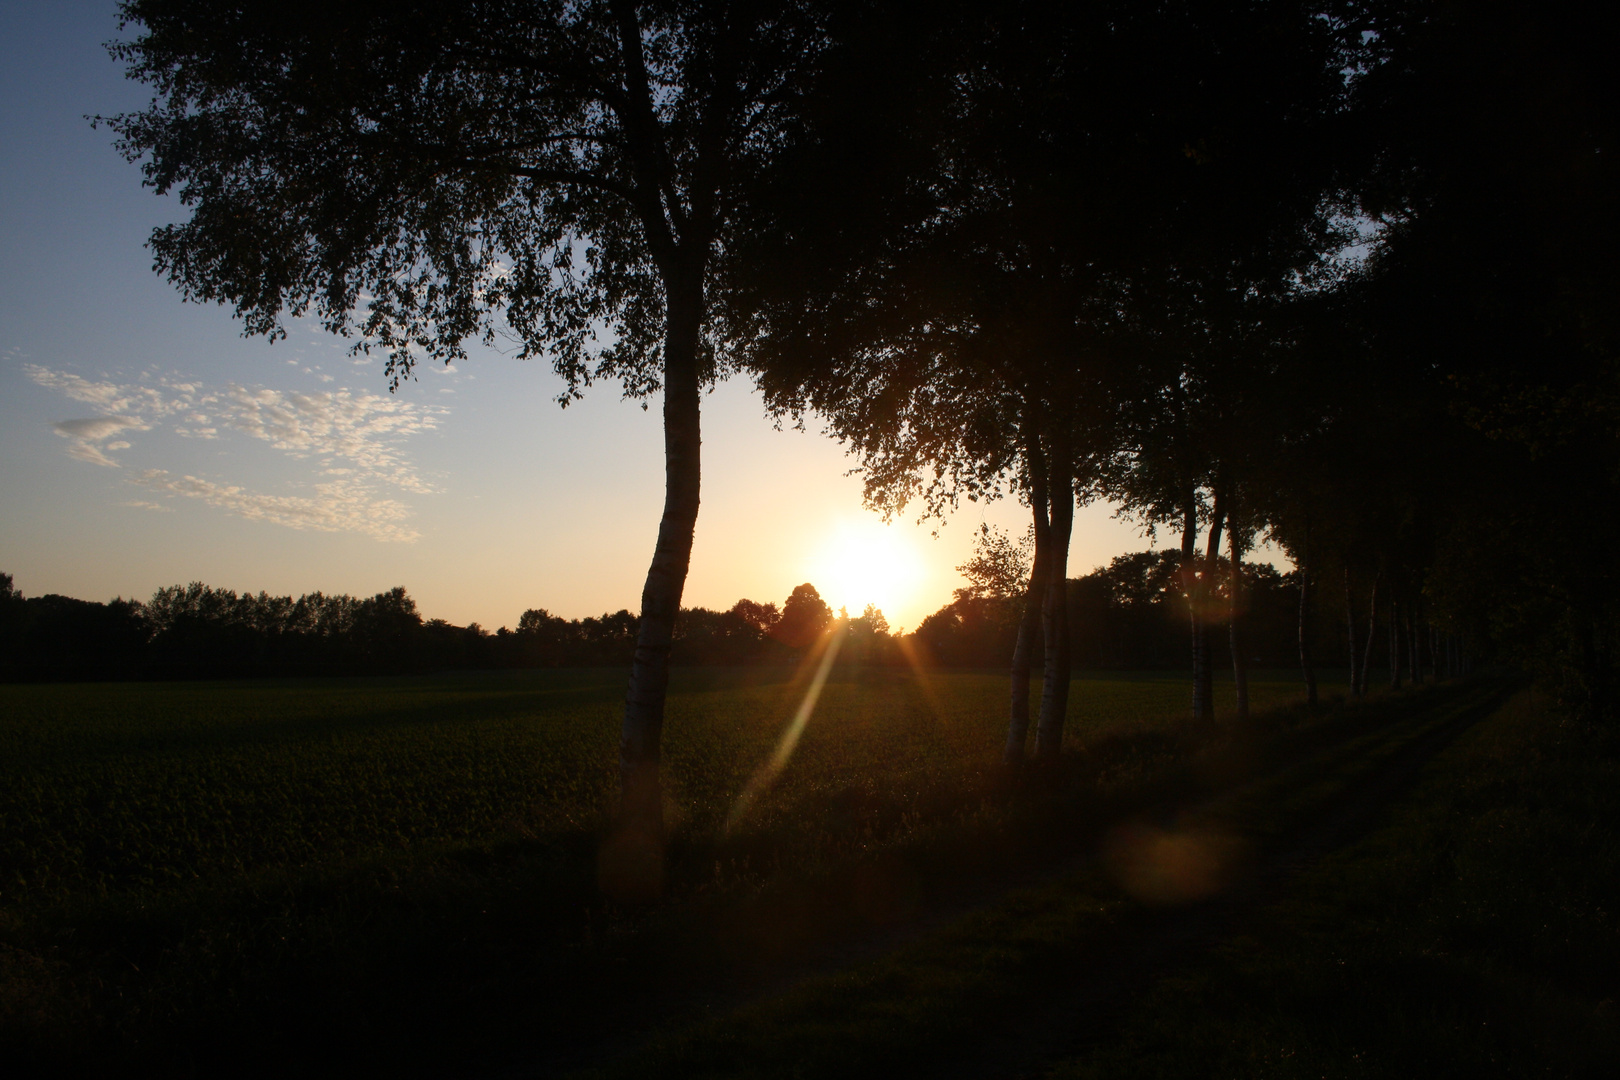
(419, 175)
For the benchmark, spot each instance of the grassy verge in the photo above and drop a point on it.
(1476, 934)
(1019, 983)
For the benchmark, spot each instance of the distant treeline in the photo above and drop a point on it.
(1132, 615)
(195, 631)
(1129, 615)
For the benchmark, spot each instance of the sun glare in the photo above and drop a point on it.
(866, 562)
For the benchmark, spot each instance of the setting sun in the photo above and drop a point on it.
(867, 562)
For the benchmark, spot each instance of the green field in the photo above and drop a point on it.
(110, 790)
(188, 869)
(1468, 930)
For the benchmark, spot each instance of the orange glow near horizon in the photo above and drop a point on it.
(866, 562)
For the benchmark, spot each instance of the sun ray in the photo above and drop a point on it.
(763, 776)
(919, 670)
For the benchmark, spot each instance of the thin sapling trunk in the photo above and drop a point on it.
(1034, 601)
(1205, 688)
(1355, 635)
(1372, 636)
(1305, 667)
(1055, 613)
(1414, 646)
(1240, 666)
(631, 865)
(1189, 579)
(1396, 664)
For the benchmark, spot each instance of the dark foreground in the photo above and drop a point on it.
(1431, 897)
(320, 882)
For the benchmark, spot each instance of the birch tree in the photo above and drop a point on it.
(1097, 184)
(559, 175)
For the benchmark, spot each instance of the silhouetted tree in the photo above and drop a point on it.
(1495, 277)
(805, 617)
(762, 617)
(1077, 225)
(999, 566)
(60, 638)
(426, 173)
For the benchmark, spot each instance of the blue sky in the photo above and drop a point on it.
(144, 442)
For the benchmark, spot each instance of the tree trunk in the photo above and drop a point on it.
(1055, 612)
(1355, 635)
(1189, 579)
(1305, 667)
(632, 860)
(1034, 603)
(1414, 645)
(1029, 626)
(1593, 670)
(1372, 635)
(1240, 664)
(1205, 688)
(1395, 660)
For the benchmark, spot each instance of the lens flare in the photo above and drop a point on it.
(828, 646)
(1172, 866)
(924, 679)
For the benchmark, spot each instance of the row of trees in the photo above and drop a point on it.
(1128, 616)
(1339, 273)
(1133, 615)
(195, 631)
(1211, 261)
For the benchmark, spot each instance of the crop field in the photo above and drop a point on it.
(136, 787)
(179, 857)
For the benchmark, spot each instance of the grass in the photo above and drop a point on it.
(1475, 934)
(111, 789)
(403, 869)
(1470, 931)
(999, 990)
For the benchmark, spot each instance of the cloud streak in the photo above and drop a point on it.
(363, 429)
(339, 506)
(84, 434)
(357, 438)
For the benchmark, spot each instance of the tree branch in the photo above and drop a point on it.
(641, 122)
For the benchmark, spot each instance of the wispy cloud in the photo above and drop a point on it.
(356, 437)
(84, 434)
(97, 428)
(364, 429)
(111, 397)
(338, 506)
